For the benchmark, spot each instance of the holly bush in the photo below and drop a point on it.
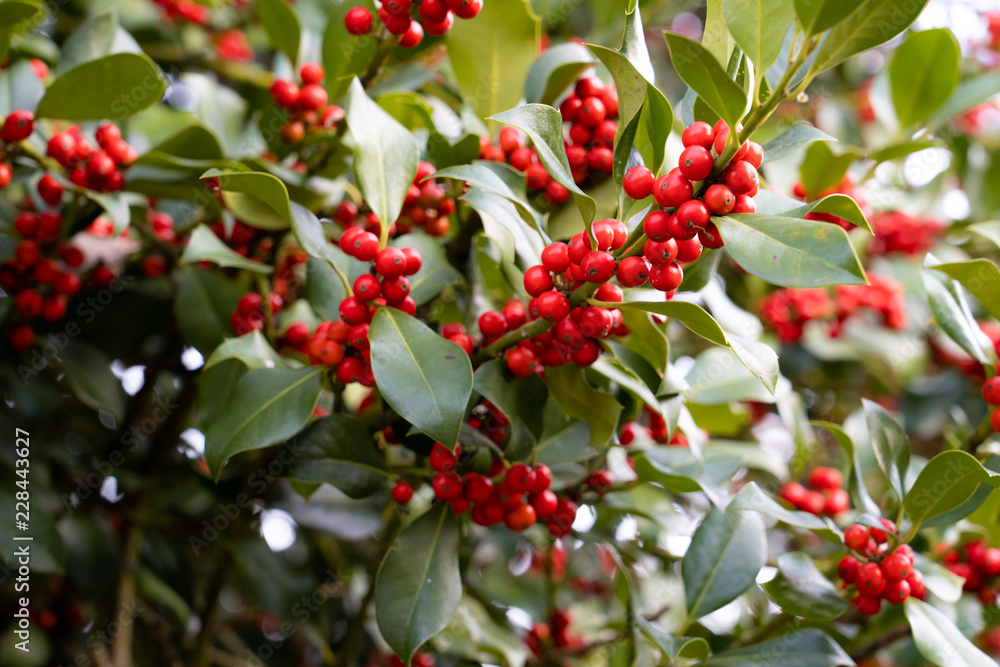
(503, 332)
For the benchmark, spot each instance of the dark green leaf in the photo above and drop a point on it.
(338, 450)
(268, 406)
(842, 206)
(265, 194)
(435, 272)
(802, 590)
(554, 71)
(89, 375)
(423, 377)
(703, 73)
(385, 154)
(726, 553)
(891, 446)
(952, 313)
(419, 586)
(205, 246)
(948, 480)
(252, 350)
(205, 302)
(810, 647)
(324, 288)
(579, 400)
(981, 277)
(790, 252)
(480, 176)
(939, 641)
(115, 87)
(816, 16)
(517, 398)
(758, 26)
(544, 126)
(281, 24)
(752, 498)
(923, 74)
(902, 149)
(345, 55)
(694, 648)
(855, 478)
(822, 168)
(795, 137)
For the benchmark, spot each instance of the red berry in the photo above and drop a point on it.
(870, 581)
(655, 226)
(880, 536)
(916, 581)
(672, 190)
(358, 21)
(478, 488)
(364, 246)
(438, 28)
(413, 36)
(598, 266)
(492, 324)
(592, 111)
(868, 606)
(603, 232)
(896, 592)
(60, 147)
(520, 518)
(638, 182)
(354, 311)
(568, 332)
(515, 314)
(536, 177)
(666, 278)
(991, 390)
(537, 280)
(856, 537)
(520, 478)
(741, 177)
(465, 9)
(28, 252)
(53, 308)
(447, 485)
(755, 154)
(823, 478)
(896, 567)
(555, 257)
(698, 133)
(397, 7)
(367, 288)
(521, 362)
(744, 204)
(49, 190)
(837, 502)
(660, 254)
(390, 262)
(609, 292)
(600, 480)
(312, 97)
(545, 503)
(596, 322)
(813, 502)
(443, 459)
(696, 163)
(719, 199)
(311, 73)
(18, 125)
(21, 336)
(995, 420)
(543, 478)
(570, 108)
(68, 283)
(29, 304)
(601, 159)
(847, 568)
(286, 93)
(396, 289)
(691, 216)
(552, 306)
(633, 272)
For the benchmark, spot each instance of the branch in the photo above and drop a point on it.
(887, 639)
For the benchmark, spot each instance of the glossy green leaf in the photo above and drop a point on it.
(627, 380)
(324, 288)
(948, 480)
(840, 205)
(385, 154)
(554, 71)
(419, 587)
(338, 450)
(252, 350)
(423, 377)
(19, 87)
(752, 498)
(115, 87)
(694, 648)
(939, 641)
(89, 376)
(816, 16)
(703, 73)
(726, 553)
(790, 252)
(579, 400)
(480, 176)
(205, 302)
(14, 12)
(205, 246)
(952, 313)
(544, 126)
(257, 198)
(800, 134)
(890, 444)
(923, 74)
(874, 22)
(281, 24)
(345, 55)
(435, 272)
(100, 35)
(823, 168)
(310, 234)
(970, 92)
(855, 478)
(759, 26)
(268, 406)
(517, 398)
(493, 54)
(981, 277)
(902, 149)
(810, 647)
(802, 590)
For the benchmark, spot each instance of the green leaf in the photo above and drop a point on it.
(795, 137)
(902, 149)
(726, 553)
(15, 12)
(385, 155)
(268, 406)
(324, 288)
(194, 142)
(114, 87)
(435, 272)
(480, 176)
(492, 55)
(626, 379)
(946, 482)
(252, 350)
(205, 302)
(855, 478)
(205, 246)
(974, 90)
(544, 126)
(790, 252)
(939, 641)
(923, 73)
(100, 35)
(267, 195)
(153, 588)
(952, 313)
(419, 586)
(988, 230)
(579, 400)
(694, 648)
(752, 498)
(89, 376)
(338, 450)
(423, 377)
(113, 203)
(281, 24)
(345, 55)
(810, 647)
(716, 38)
(554, 71)
(698, 69)
(20, 87)
(842, 206)
(822, 168)
(802, 590)
(874, 22)
(981, 277)
(517, 398)
(310, 234)
(816, 16)
(759, 26)
(890, 444)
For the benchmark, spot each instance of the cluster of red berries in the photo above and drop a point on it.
(688, 213)
(16, 127)
(897, 232)
(92, 168)
(306, 105)
(233, 45)
(979, 566)
(876, 573)
(511, 148)
(826, 497)
(845, 187)
(249, 313)
(517, 496)
(40, 276)
(655, 429)
(436, 18)
(991, 394)
(427, 206)
(419, 660)
(243, 239)
(555, 633)
(184, 10)
(788, 310)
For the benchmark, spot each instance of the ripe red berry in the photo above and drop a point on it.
(995, 420)
(672, 190)
(754, 155)
(447, 485)
(633, 272)
(870, 581)
(312, 97)
(69, 283)
(537, 280)
(402, 493)
(598, 266)
(603, 232)
(367, 288)
(397, 7)
(896, 567)
(521, 362)
(856, 537)
(552, 306)
(515, 314)
(545, 503)
(465, 9)
(536, 177)
(638, 182)
(396, 289)
(18, 125)
(478, 488)
(555, 257)
(825, 478)
(364, 246)
(867, 605)
(601, 159)
(916, 581)
(847, 568)
(49, 190)
(837, 502)
(696, 163)
(698, 133)
(592, 112)
(60, 147)
(520, 478)
(390, 262)
(991, 390)
(311, 73)
(413, 36)
(29, 304)
(719, 199)
(896, 592)
(443, 459)
(792, 493)
(741, 177)
(691, 217)
(600, 480)
(21, 336)
(595, 322)
(570, 108)
(655, 226)
(520, 518)
(354, 311)
(660, 254)
(492, 324)
(666, 278)
(880, 536)
(53, 308)
(813, 502)
(358, 21)
(744, 204)
(286, 93)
